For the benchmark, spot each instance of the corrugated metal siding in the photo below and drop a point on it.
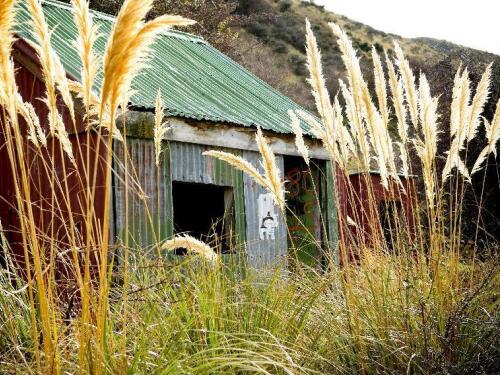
(149, 216)
(331, 209)
(188, 164)
(197, 81)
(262, 253)
(31, 88)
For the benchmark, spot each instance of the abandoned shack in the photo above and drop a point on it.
(211, 103)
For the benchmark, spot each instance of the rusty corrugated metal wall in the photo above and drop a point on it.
(188, 164)
(148, 214)
(185, 162)
(51, 204)
(262, 252)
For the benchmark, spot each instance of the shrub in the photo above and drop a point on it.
(259, 30)
(280, 47)
(284, 5)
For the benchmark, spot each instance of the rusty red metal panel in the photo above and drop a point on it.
(48, 195)
(360, 198)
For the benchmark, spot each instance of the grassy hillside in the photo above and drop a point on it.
(283, 39)
(268, 38)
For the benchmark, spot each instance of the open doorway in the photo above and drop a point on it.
(205, 212)
(304, 217)
(391, 218)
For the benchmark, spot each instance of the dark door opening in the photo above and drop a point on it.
(304, 220)
(390, 219)
(205, 212)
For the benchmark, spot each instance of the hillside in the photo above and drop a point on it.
(283, 42)
(268, 38)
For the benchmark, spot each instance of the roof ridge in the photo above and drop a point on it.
(108, 17)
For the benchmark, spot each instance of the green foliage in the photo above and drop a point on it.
(259, 30)
(388, 315)
(297, 63)
(280, 47)
(284, 5)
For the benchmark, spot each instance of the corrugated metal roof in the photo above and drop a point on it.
(196, 80)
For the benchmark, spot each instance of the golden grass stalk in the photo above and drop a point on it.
(459, 117)
(193, 246)
(7, 80)
(323, 135)
(379, 136)
(353, 95)
(135, 56)
(492, 136)
(427, 147)
(62, 136)
(408, 79)
(35, 132)
(377, 120)
(350, 59)
(362, 152)
(87, 36)
(397, 91)
(345, 142)
(15, 149)
(160, 128)
(380, 85)
(317, 81)
(405, 170)
(299, 136)
(53, 72)
(239, 163)
(460, 102)
(94, 103)
(271, 170)
(465, 119)
(246, 167)
(477, 106)
(314, 126)
(124, 56)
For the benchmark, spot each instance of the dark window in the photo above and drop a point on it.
(390, 219)
(205, 212)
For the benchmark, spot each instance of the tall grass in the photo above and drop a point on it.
(415, 307)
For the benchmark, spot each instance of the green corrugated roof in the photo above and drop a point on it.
(196, 80)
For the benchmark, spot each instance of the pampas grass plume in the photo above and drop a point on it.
(160, 128)
(192, 245)
(271, 170)
(299, 136)
(408, 79)
(87, 36)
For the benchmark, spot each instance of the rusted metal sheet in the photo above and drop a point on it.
(48, 196)
(262, 252)
(188, 164)
(361, 199)
(331, 208)
(142, 196)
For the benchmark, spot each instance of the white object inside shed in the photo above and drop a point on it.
(268, 219)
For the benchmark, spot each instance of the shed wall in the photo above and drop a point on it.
(188, 164)
(262, 252)
(362, 195)
(50, 207)
(146, 206)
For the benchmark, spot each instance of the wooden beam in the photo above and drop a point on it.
(140, 125)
